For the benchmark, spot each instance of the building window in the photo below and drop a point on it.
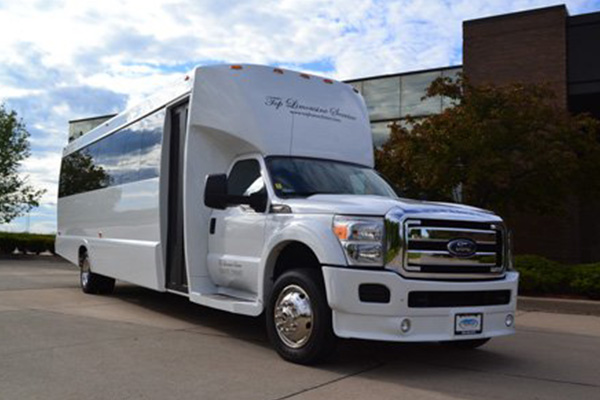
(414, 87)
(381, 133)
(382, 97)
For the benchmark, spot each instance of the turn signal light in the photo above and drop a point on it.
(341, 231)
(235, 66)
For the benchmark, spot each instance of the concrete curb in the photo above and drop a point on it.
(562, 306)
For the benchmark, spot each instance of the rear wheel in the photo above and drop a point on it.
(92, 283)
(299, 319)
(467, 344)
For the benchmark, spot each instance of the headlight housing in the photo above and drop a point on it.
(362, 239)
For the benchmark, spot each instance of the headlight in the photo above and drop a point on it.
(361, 238)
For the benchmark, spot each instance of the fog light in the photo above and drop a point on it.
(405, 325)
(509, 320)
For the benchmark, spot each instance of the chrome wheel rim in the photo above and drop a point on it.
(85, 272)
(293, 316)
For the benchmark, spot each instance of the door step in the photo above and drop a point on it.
(228, 303)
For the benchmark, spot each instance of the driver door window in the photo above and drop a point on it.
(245, 179)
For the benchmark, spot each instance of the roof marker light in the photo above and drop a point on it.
(329, 81)
(235, 66)
(278, 71)
(305, 76)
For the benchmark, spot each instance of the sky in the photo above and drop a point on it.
(68, 59)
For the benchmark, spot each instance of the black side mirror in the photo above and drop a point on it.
(215, 191)
(258, 201)
(216, 195)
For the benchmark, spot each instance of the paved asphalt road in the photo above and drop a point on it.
(58, 343)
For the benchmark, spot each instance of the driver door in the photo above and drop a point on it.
(236, 236)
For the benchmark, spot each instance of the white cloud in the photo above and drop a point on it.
(42, 172)
(70, 59)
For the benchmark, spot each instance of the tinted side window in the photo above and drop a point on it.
(79, 173)
(129, 155)
(150, 131)
(245, 178)
(121, 157)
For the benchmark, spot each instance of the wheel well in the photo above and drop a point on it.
(284, 257)
(294, 255)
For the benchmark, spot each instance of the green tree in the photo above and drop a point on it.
(16, 195)
(507, 147)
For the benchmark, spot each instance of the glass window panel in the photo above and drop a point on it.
(121, 156)
(245, 178)
(414, 87)
(452, 74)
(109, 156)
(79, 173)
(150, 129)
(381, 133)
(129, 155)
(97, 173)
(382, 97)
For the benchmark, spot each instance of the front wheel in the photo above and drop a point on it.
(299, 319)
(92, 283)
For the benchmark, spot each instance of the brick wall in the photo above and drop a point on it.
(529, 46)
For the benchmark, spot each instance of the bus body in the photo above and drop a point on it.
(250, 189)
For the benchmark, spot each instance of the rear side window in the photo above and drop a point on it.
(129, 155)
(245, 178)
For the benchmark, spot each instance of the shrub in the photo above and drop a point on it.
(586, 280)
(540, 276)
(8, 243)
(26, 243)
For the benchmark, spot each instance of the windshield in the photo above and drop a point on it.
(303, 177)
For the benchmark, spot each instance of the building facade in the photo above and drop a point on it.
(538, 46)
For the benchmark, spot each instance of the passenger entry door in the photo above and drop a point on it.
(176, 271)
(237, 233)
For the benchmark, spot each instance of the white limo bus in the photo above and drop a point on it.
(251, 189)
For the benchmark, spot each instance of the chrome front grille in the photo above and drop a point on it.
(439, 248)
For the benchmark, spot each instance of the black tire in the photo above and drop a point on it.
(92, 283)
(466, 344)
(320, 342)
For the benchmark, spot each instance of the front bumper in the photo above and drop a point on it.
(353, 318)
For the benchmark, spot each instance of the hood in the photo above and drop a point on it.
(379, 206)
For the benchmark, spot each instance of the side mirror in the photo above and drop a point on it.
(215, 191)
(258, 201)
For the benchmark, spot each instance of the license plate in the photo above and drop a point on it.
(468, 324)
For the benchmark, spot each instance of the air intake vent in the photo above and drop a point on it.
(458, 299)
(453, 249)
(373, 293)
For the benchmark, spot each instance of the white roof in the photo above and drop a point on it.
(283, 112)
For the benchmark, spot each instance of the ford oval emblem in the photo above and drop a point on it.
(462, 247)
